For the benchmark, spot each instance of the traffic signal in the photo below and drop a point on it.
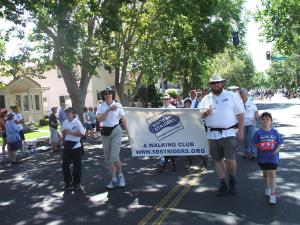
(268, 55)
(235, 38)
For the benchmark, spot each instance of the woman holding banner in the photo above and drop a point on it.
(110, 113)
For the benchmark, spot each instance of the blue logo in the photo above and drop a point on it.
(167, 120)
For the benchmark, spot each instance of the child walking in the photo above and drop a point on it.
(268, 142)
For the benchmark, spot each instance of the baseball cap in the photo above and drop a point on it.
(70, 109)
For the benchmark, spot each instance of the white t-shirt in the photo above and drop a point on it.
(18, 117)
(226, 107)
(194, 102)
(170, 106)
(75, 125)
(86, 118)
(113, 116)
(250, 108)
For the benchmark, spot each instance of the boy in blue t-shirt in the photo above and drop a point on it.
(268, 142)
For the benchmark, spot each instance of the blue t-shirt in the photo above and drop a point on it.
(92, 117)
(266, 143)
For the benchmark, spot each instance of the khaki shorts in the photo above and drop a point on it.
(112, 145)
(223, 148)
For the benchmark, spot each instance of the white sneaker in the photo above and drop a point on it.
(112, 184)
(272, 199)
(122, 182)
(268, 192)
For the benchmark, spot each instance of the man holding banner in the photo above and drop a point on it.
(223, 112)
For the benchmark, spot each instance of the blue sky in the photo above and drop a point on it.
(256, 48)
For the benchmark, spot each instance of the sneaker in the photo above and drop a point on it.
(122, 182)
(67, 187)
(268, 192)
(76, 187)
(112, 184)
(222, 190)
(272, 199)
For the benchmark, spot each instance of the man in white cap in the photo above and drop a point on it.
(223, 113)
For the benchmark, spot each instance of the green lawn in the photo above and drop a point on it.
(37, 134)
(33, 135)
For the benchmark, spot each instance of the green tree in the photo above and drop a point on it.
(67, 35)
(282, 74)
(236, 66)
(281, 23)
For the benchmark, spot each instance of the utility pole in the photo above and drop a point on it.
(162, 77)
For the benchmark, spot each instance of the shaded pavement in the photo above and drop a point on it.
(30, 193)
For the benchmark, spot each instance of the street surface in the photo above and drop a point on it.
(30, 193)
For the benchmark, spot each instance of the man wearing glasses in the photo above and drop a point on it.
(223, 113)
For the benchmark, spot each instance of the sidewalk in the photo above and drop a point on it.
(31, 149)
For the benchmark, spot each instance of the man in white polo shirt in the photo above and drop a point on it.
(223, 113)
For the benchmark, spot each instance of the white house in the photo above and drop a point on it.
(24, 92)
(55, 91)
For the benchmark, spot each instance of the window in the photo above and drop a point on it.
(61, 100)
(59, 74)
(18, 100)
(26, 103)
(2, 101)
(37, 102)
(44, 99)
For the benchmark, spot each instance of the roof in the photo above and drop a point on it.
(6, 80)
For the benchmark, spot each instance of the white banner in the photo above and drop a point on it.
(156, 132)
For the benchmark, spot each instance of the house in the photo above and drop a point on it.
(54, 90)
(24, 92)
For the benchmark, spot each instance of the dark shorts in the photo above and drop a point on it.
(88, 126)
(3, 135)
(93, 125)
(21, 133)
(14, 146)
(268, 166)
(223, 148)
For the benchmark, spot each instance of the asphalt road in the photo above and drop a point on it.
(30, 193)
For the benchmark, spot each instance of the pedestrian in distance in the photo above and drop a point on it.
(19, 120)
(223, 113)
(87, 122)
(196, 102)
(54, 135)
(62, 115)
(73, 131)
(250, 118)
(13, 138)
(3, 118)
(109, 115)
(268, 143)
(167, 105)
(92, 116)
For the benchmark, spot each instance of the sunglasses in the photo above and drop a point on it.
(107, 93)
(216, 82)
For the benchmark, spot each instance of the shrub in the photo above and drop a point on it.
(29, 127)
(172, 92)
(46, 117)
(43, 122)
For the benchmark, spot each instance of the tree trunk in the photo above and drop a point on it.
(185, 86)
